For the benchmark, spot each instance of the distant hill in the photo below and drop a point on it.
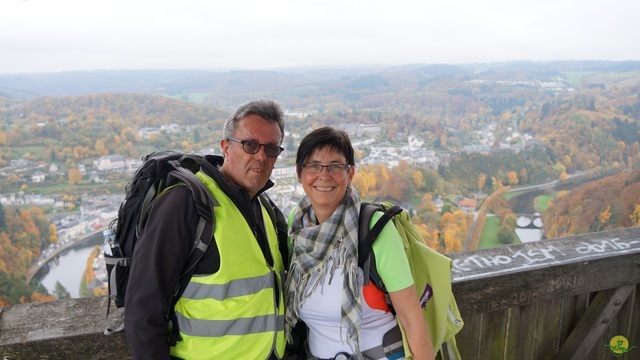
(26, 86)
(279, 83)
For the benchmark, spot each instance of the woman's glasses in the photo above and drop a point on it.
(332, 169)
(252, 147)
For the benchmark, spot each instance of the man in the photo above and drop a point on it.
(233, 306)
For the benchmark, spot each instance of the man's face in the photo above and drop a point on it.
(250, 171)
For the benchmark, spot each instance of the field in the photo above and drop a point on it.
(542, 202)
(489, 236)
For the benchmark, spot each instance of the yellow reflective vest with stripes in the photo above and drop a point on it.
(237, 312)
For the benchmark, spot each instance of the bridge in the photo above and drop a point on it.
(565, 298)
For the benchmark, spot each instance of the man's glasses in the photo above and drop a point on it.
(332, 169)
(252, 147)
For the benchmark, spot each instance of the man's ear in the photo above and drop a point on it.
(224, 145)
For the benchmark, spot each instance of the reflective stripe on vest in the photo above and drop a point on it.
(215, 328)
(233, 313)
(234, 288)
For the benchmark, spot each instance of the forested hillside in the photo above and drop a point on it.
(23, 234)
(589, 129)
(78, 127)
(609, 203)
(473, 172)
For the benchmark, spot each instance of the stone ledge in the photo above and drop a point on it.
(71, 329)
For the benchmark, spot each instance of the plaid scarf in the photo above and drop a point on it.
(314, 245)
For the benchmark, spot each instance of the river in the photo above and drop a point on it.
(69, 266)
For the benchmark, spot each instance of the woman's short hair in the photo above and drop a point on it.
(325, 137)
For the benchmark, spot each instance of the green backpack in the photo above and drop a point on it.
(431, 274)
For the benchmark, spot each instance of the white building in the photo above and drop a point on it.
(110, 163)
(284, 172)
(37, 177)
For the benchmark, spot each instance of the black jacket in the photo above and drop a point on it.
(161, 254)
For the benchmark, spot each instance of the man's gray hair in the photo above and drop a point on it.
(266, 109)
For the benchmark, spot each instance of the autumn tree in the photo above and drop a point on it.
(452, 231)
(75, 176)
(382, 173)
(186, 146)
(426, 203)
(360, 183)
(495, 202)
(418, 179)
(53, 234)
(128, 134)
(523, 176)
(100, 149)
(443, 140)
(604, 216)
(395, 188)
(80, 152)
(482, 179)
(429, 236)
(37, 297)
(635, 216)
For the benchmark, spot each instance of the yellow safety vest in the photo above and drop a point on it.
(238, 312)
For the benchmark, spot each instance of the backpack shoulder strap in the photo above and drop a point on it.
(366, 237)
(204, 203)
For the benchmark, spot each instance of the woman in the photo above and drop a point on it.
(325, 285)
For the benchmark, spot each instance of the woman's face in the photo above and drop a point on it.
(327, 188)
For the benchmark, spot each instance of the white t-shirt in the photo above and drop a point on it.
(322, 310)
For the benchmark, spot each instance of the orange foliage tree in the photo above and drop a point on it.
(635, 216)
(75, 176)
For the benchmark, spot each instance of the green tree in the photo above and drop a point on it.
(13, 288)
(505, 235)
(3, 219)
(60, 291)
(511, 221)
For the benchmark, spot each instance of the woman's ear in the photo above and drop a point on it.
(352, 171)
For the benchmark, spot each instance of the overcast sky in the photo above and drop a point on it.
(64, 35)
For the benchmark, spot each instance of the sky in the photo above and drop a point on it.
(78, 35)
